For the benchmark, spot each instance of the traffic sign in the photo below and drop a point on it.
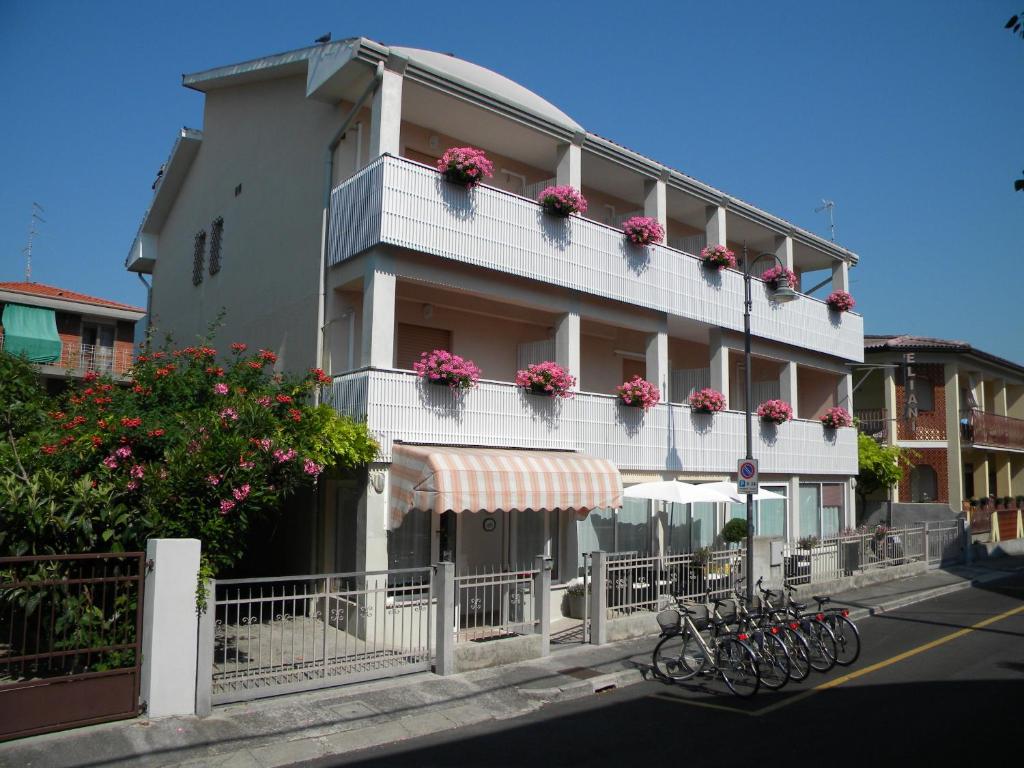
(746, 476)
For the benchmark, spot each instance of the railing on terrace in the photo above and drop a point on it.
(644, 582)
(397, 405)
(492, 603)
(90, 357)
(873, 422)
(845, 555)
(399, 202)
(991, 429)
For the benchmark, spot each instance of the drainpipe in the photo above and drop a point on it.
(326, 218)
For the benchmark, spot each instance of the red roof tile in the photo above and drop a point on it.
(49, 291)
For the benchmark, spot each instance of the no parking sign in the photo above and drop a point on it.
(746, 476)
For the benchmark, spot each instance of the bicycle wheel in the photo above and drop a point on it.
(847, 639)
(799, 654)
(773, 661)
(822, 644)
(678, 657)
(736, 662)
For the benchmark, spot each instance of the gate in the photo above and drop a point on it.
(70, 640)
(278, 635)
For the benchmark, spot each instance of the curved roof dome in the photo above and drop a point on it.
(482, 79)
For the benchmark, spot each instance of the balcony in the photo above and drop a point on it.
(76, 357)
(397, 405)
(402, 203)
(988, 429)
(873, 422)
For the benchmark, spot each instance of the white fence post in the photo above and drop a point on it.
(170, 627)
(598, 599)
(204, 658)
(444, 596)
(542, 602)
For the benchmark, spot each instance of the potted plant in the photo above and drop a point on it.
(775, 411)
(835, 418)
(707, 400)
(697, 572)
(777, 276)
(735, 530)
(547, 378)
(718, 257)
(840, 301)
(465, 165)
(643, 230)
(562, 200)
(575, 596)
(638, 393)
(808, 542)
(442, 367)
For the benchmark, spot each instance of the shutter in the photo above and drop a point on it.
(631, 368)
(412, 340)
(532, 352)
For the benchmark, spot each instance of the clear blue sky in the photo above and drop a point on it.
(909, 115)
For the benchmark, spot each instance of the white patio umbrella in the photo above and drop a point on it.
(728, 488)
(678, 492)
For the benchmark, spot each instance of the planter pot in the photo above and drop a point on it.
(714, 266)
(541, 392)
(576, 606)
(705, 411)
(460, 180)
(773, 422)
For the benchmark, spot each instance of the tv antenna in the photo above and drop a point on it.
(830, 206)
(37, 211)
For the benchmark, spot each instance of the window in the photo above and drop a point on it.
(822, 509)
(771, 515)
(810, 509)
(409, 543)
(924, 484)
(633, 527)
(412, 340)
(198, 253)
(216, 233)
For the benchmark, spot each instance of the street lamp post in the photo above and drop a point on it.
(783, 293)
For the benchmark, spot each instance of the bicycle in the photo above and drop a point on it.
(684, 652)
(775, 661)
(820, 639)
(842, 626)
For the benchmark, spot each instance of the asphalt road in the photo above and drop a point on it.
(940, 680)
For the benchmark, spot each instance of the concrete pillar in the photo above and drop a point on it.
(714, 225)
(372, 523)
(784, 250)
(793, 506)
(386, 117)
(598, 599)
(542, 602)
(569, 165)
(788, 388)
(170, 626)
(998, 395)
(1017, 475)
(378, 319)
(1004, 474)
(954, 460)
(844, 392)
(981, 487)
(655, 202)
(719, 362)
(657, 362)
(978, 389)
(444, 599)
(840, 275)
(567, 345)
(204, 653)
(891, 415)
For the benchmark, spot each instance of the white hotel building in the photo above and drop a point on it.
(410, 262)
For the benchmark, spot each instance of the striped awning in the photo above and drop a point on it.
(458, 479)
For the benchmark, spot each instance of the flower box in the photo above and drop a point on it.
(837, 417)
(707, 400)
(775, 411)
(442, 367)
(547, 378)
(465, 165)
(775, 277)
(638, 393)
(718, 257)
(562, 201)
(840, 301)
(643, 230)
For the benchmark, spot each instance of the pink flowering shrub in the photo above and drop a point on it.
(775, 276)
(442, 367)
(562, 201)
(707, 400)
(840, 301)
(465, 165)
(546, 378)
(638, 393)
(775, 411)
(718, 257)
(643, 230)
(837, 417)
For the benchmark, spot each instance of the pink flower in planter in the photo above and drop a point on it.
(775, 276)
(718, 257)
(775, 411)
(547, 378)
(837, 417)
(562, 201)
(442, 367)
(465, 165)
(707, 400)
(840, 301)
(638, 393)
(643, 230)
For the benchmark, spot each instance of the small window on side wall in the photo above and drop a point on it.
(198, 252)
(216, 235)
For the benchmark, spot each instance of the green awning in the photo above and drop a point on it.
(31, 332)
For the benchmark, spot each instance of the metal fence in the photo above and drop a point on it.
(492, 603)
(276, 635)
(70, 640)
(642, 582)
(844, 555)
(945, 542)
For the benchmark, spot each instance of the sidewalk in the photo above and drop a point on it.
(287, 729)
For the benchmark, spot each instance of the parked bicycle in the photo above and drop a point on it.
(820, 638)
(783, 653)
(847, 636)
(684, 651)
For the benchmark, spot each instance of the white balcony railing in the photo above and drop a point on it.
(403, 203)
(398, 405)
(75, 356)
